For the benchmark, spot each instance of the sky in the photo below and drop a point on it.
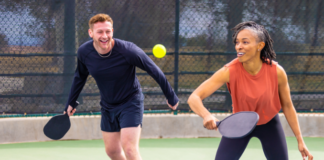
(13, 25)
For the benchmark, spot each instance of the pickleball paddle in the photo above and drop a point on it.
(238, 125)
(58, 126)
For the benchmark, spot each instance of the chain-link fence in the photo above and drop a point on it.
(39, 39)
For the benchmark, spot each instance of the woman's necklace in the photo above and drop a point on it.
(108, 54)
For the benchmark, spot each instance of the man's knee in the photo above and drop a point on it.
(130, 149)
(114, 152)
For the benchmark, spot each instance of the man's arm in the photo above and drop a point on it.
(138, 58)
(80, 78)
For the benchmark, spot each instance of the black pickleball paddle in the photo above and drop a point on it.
(58, 126)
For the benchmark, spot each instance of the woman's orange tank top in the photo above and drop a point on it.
(258, 93)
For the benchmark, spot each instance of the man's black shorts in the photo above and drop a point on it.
(129, 114)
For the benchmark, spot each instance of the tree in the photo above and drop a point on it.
(56, 21)
(145, 23)
(46, 14)
(3, 41)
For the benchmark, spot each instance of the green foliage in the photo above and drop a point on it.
(3, 40)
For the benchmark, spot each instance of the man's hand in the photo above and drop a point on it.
(173, 107)
(70, 111)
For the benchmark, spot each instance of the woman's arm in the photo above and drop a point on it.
(204, 90)
(289, 110)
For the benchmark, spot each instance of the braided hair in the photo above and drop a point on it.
(262, 35)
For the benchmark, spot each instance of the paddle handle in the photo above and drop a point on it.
(73, 107)
(217, 123)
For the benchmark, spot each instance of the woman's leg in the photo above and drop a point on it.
(273, 140)
(231, 149)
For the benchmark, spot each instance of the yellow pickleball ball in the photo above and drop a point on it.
(159, 51)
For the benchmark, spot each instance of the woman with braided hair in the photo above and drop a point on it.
(256, 83)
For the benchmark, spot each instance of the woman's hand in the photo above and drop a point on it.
(304, 151)
(210, 122)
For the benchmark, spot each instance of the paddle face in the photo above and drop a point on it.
(57, 126)
(238, 125)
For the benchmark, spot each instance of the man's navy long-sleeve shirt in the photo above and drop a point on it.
(116, 74)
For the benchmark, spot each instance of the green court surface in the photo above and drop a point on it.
(151, 149)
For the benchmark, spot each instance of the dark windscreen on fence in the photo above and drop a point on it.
(39, 40)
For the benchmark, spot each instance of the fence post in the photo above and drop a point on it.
(69, 46)
(176, 50)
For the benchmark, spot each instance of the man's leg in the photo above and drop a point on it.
(113, 145)
(130, 142)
